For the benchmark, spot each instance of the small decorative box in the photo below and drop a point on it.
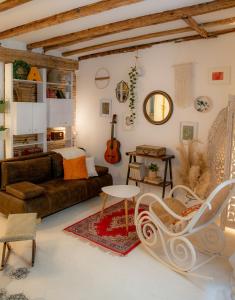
(153, 151)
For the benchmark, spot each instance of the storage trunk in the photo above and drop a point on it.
(148, 150)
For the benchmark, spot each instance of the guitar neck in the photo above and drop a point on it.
(112, 132)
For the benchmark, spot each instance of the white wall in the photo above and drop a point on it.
(94, 131)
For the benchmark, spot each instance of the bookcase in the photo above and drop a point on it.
(35, 109)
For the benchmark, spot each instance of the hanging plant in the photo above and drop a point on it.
(133, 80)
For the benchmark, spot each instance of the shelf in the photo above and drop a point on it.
(59, 83)
(163, 157)
(57, 141)
(55, 99)
(27, 144)
(27, 81)
(155, 184)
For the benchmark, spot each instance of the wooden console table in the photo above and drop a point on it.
(167, 159)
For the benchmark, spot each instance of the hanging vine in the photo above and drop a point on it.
(132, 100)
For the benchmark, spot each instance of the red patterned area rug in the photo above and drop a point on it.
(109, 231)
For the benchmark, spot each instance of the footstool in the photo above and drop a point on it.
(20, 227)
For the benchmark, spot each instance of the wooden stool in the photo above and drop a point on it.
(20, 227)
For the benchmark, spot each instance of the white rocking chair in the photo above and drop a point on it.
(181, 249)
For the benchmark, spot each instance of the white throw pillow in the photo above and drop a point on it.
(90, 165)
(70, 152)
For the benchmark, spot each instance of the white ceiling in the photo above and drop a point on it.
(38, 9)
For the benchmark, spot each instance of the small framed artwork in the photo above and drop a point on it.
(220, 75)
(188, 131)
(105, 107)
(127, 124)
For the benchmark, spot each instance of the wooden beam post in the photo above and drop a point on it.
(8, 4)
(153, 19)
(40, 60)
(194, 25)
(66, 16)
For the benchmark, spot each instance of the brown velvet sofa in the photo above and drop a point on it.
(35, 183)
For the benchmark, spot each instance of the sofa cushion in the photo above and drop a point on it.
(101, 170)
(62, 193)
(57, 165)
(33, 170)
(24, 190)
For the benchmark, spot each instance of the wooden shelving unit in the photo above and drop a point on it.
(31, 112)
(167, 159)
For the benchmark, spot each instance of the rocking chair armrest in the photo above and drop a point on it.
(162, 203)
(183, 187)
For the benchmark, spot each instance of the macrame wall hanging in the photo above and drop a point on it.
(183, 84)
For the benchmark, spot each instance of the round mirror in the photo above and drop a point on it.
(158, 107)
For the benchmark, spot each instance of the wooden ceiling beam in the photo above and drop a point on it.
(8, 4)
(195, 26)
(213, 34)
(66, 16)
(127, 40)
(147, 36)
(153, 19)
(35, 59)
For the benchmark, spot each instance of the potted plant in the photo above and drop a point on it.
(133, 74)
(153, 168)
(2, 105)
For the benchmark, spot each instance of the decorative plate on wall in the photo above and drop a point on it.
(203, 104)
(102, 78)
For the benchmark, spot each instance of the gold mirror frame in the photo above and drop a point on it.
(170, 107)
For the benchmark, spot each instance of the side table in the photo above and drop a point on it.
(120, 191)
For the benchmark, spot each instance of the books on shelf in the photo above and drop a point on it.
(137, 170)
(156, 180)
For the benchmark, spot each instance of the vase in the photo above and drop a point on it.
(152, 174)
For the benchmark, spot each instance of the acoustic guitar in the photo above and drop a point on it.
(112, 154)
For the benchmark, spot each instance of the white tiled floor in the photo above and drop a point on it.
(68, 268)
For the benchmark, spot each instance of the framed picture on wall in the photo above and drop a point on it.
(188, 131)
(220, 75)
(105, 107)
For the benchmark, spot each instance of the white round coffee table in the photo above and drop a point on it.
(124, 192)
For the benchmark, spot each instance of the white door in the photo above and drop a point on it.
(22, 121)
(39, 118)
(59, 113)
(66, 117)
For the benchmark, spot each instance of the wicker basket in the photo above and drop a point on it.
(25, 92)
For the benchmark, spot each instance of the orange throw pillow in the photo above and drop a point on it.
(75, 168)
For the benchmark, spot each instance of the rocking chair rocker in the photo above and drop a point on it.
(197, 232)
